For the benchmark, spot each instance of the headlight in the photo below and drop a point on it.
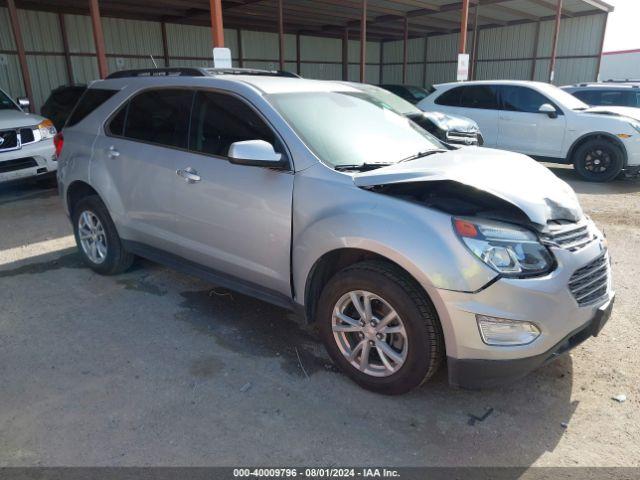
(46, 129)
(635, 126)
(503, 332)
(508, 249)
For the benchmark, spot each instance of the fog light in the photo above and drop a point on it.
(503, 332)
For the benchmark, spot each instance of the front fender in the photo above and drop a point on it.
(418, 239)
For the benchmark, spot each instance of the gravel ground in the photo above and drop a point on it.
(157, 368)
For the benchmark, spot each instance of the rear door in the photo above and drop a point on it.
(523, 129)
(235, 219)
(478, 102)
(139, 152)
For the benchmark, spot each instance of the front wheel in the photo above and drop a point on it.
(380, 328)
(598, 161)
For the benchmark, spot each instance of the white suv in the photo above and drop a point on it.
(26, 142)
(547, 123)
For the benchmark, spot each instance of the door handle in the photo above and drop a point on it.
(189, 175)
(113, 153)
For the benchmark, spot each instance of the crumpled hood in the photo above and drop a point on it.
(16, 119)
(630, 112)
(512, 177)
(452, 123)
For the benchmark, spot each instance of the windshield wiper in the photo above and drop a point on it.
(421, 154)
(363, 167)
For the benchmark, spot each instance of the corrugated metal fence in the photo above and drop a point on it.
(131, 43)
(509, 52)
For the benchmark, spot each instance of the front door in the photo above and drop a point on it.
(235, 219)
(523, 129)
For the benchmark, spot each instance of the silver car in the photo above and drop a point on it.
(405, 253)
(26, 142)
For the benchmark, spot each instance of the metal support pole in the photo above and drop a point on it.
(425, 58)
(363, 41)
(298, 54)
(22, 57)
(381, 66)
(217, 28)
(536, 40)
(345, 54)
(281, 33)
(604, 31)
(65, 47)
(556, 34)
(464, 22)
(98, 38)
(474, 44)
(165, 44)
(240, 49)
(405, 49)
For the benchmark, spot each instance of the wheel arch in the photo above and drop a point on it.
(597, 136)
(334, 261)
(76, 191)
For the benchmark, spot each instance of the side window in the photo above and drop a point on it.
(451, 97)
(91, 99)
(479, 96)
(614, 97)
(586, 96)
(522, 99)
(160, 116)
(116, 125)
(218, 120)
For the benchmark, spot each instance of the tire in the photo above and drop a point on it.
(598, 160)
(421, 348)
(113, 258)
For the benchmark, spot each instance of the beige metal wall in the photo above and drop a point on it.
(131, 43)
(508, 52)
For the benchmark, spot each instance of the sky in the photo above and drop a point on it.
(622, 27)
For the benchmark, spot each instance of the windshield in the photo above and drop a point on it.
(565, 99)
(346, 129)
(6, 103)
(392, 100)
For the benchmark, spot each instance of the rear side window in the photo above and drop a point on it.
(522, 99)
(218, 120)
(451, 97)
(90, 100)
(157, 116)
(479, 96)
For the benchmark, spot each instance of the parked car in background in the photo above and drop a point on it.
(308, 195)
(26, 142)
(452, 129)
(410, 93)
(607, 94)
(60, 103)
(547, 123)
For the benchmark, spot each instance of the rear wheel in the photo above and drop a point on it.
(380, 328)
(97, 238)
(598, 160)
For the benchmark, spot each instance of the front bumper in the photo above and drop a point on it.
(479, 373)
(31, 160)
(545, 301)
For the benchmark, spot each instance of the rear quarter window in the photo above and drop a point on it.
(90, 100)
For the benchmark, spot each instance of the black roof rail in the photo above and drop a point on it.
(159, 72)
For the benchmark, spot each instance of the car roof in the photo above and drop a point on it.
(267, 84)
(607, 85)
(492, 82)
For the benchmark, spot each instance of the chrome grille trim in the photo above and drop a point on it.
(590, 283)
(572, 237)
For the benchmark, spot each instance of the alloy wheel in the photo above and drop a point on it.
(93, 238)
(369, 333)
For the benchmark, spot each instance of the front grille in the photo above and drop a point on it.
(17, 164)
(26, 136)
(589, 283)
(9, 140)
(571, 237)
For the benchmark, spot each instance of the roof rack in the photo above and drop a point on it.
(159, 72)
(197, 72)
(628, 80)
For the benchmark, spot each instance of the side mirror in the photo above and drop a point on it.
(23, 103)
(548, 109)
(254, 153)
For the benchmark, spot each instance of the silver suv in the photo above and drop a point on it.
(312, 196)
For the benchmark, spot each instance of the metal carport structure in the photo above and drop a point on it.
(407, 40)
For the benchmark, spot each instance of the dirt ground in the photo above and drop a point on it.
(157, 368)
